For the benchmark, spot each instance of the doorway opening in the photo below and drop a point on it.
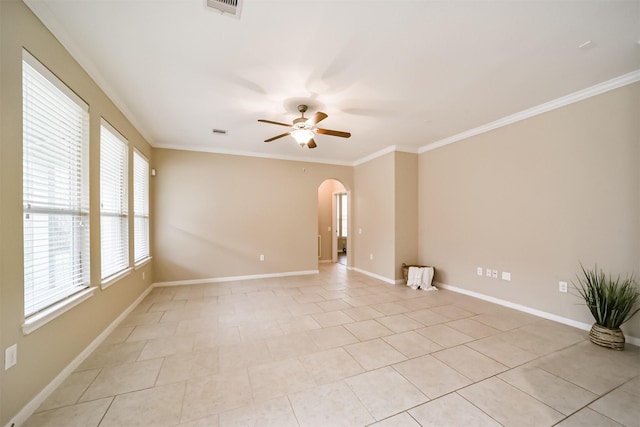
(341, 215)
(333, 222)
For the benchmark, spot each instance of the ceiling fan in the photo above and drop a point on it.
(303, 129)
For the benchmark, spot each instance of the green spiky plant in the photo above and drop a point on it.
(610, 301)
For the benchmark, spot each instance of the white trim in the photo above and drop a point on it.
(389, 149)
(108, 281)
(325, 261)
(45, 316)
(53, 79)
(105, 123)
(142, 263)
(49, 20)
(22, 416)
(375, 276)
(234, 278)
(598, 89)
(539, 313)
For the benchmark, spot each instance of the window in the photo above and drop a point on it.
(55, 189)
(114, 218)
(140, 207)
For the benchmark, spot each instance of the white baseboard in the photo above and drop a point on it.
(235, 278)
(377, 276)
(324, 261)
(539, 313)
(28, 410)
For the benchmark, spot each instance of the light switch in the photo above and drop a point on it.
(488, 273)
(479, 271)
(506, 275)
(494, 274)
(10, 356)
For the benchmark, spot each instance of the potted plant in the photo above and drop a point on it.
(611, 302)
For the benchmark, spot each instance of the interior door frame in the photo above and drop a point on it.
(334, 224)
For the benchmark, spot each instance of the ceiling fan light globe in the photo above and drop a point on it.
(302, 136)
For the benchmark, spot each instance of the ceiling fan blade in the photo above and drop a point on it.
(274, 123)
(311, 143)
(317, 118)
(334, 133)
(276, 137)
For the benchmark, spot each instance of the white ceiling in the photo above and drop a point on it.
(393, 72)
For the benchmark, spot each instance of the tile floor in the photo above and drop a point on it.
(342, 349)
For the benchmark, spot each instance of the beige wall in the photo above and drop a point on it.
(325, 215)
(406, 210)
(536, 198)
(216, 213)
(44, 353)
(385, 207)
(373, 213)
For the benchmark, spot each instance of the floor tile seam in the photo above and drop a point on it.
(359, 400)
(587, 407)
(76, 401)
(79, 399)
(293, 411)
(474, 405)
(492, 358)
(598, 397)
(565, 379)
(533, 397)
(184, 396)
(497, 376)
(113, 399)
(608, 393)
(507, 368)
(414, 384)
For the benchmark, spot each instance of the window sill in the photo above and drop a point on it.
(114, 278)
(143, 262)
(43, 317)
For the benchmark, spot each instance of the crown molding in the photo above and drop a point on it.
(598, 89)
(389, 149)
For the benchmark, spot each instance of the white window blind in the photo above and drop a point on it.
(55, 188)
(140, 207)
(114, 218)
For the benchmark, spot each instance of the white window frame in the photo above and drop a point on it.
(114, 205)
(141, 209)
(57, 268)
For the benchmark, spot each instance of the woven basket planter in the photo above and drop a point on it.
(605, 337)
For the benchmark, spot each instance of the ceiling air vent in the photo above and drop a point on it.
(231, 7)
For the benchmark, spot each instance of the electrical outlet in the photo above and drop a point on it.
(494, 274)
(10, 356)
(479, 271)
(562, 287)
(488, 272)
(371, 257)
(261, 257)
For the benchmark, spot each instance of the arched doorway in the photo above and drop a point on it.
(333, 222)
